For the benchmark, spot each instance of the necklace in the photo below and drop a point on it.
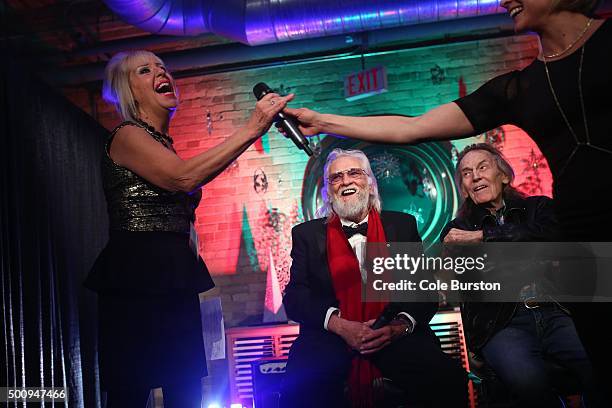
(556, 54)
(581, 98)
(149, 128)
(562, 112)
(584, 115)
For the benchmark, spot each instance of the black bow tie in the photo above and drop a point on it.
(360, 229)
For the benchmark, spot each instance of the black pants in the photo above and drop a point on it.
(518, 354)
(591, 321)
(319, 363)
(150, 341)
(175, 395)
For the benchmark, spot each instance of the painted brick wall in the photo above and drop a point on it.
(241, 230)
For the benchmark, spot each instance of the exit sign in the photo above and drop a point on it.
(362, 84)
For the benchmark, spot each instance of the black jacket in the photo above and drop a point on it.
(527, 219)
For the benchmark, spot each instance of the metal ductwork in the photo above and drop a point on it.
(271, 21)
(256, 22)
(228, 57)
(184, 17)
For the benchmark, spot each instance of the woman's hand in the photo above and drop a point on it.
(265, 111)
(444, 122)
(308, 120)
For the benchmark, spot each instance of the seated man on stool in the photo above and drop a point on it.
(336, 345)
(515, 339)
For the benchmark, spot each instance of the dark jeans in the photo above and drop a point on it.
(319, 364)
(589, 319)
(518, 354)
(150, 341)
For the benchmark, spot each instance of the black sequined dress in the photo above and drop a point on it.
(147, 278)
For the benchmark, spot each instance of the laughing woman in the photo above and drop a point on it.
(148, 276)
(562, 100)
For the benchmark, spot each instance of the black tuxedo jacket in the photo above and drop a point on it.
(310, 291)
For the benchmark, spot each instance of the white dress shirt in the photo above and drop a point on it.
(358, 242)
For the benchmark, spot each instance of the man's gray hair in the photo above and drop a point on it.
(508, 191)
(502, 163)
(374, 201)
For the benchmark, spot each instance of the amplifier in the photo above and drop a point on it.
(268, 374)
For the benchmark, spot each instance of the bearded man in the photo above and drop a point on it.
(337, 349)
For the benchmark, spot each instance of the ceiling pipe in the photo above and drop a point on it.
(238, 54)
(106, 48)
(230, 55)
(257, 22)
(184, 17)
(270, 21)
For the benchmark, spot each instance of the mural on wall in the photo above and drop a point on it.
(260, 181)
(496, 137)
(534, 169)
(437, 75)
(273, 249)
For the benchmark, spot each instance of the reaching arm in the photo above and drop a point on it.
(134, 149)
(444, 122)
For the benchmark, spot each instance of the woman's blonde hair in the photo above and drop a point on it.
(116, 87)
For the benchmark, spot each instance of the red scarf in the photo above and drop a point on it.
(346, 279)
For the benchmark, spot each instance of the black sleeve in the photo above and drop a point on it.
(421, 312)
(489, 106)
(540, 226)
(447, 228)
(301, 304)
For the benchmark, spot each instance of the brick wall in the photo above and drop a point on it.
(237, 236)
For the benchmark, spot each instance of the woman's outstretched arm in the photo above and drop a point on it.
(444, 122)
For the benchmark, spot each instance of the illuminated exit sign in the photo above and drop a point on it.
(365, 83)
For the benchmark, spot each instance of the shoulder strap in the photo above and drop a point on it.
(111, 137)
(140, 125)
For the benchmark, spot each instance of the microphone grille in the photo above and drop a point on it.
(260, 90)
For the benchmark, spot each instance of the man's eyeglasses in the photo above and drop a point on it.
(353, 174)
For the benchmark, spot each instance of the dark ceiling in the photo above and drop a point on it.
(68, 32)
(70, 40)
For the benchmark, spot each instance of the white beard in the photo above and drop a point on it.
(353, 209)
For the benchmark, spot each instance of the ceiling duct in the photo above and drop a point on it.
(256, 22)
